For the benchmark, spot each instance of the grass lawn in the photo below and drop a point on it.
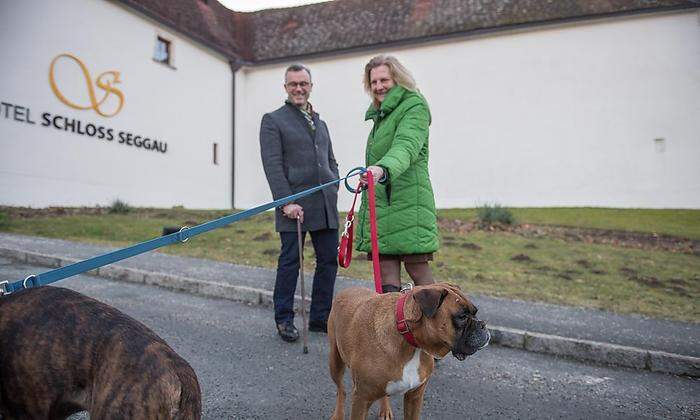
(650, 282)
(681, 223)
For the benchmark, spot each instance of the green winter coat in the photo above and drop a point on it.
(398, 142)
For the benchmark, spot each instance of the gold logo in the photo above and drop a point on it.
(105, 81)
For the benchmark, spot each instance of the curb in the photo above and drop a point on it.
(585, 350)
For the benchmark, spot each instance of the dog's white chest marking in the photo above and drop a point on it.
(410, 378)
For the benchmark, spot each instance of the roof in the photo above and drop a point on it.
(207, 22)
(345, 25)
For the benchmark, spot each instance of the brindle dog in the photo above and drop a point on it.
(62, 352)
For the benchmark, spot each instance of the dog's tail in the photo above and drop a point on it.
(190, 407)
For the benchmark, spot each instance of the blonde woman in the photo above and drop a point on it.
(397, 155)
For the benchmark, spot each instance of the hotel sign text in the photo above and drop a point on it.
(105, 82)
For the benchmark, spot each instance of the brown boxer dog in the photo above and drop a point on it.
(363, 335)
(62, 352)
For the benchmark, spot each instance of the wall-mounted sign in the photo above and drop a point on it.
(105, 82)
(98, 102)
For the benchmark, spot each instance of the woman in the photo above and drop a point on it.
(397, 155)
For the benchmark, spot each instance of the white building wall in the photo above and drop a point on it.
(189, 108)
(557, 116)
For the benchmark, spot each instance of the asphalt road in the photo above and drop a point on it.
(247, 372)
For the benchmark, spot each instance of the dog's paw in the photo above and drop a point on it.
(387, 415)
(385, 412)
(338, 414)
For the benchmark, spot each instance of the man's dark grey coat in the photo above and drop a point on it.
(295, 158)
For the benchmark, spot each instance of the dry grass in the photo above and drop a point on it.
(649, 282)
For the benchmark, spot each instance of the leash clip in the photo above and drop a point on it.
(406, 287)
(348, 224)
(3, 288)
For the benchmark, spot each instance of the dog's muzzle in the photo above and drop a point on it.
(473, 339)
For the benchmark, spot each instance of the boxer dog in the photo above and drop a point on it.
(363, 335)
(62, 352)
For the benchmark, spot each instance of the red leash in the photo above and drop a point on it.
(345, 248)
(345, 256)
(373, 233)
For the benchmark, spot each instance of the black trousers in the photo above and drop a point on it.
(325, 244)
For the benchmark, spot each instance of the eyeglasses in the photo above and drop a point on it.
(294, 85)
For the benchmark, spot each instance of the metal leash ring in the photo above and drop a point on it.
(30, 277)
(179, 234)
(360, 170)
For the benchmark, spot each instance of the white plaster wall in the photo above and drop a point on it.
(559, 116)
(189, 108)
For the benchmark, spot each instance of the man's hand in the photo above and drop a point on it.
(377, 172)
(294, 211)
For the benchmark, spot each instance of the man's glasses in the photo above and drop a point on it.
(294, 85)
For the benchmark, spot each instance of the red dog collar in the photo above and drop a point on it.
(401, 323)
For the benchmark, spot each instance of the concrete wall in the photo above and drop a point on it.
(188, 107)
(556, 116)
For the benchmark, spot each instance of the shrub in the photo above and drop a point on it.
(3, 219)
(119, 207)
(489, 215)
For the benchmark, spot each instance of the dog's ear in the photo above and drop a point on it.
(429, 300)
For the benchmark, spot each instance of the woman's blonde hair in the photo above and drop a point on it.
(399, 73)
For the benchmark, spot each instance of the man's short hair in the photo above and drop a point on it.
(296, 67)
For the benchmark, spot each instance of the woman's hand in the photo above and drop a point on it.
(377, 173)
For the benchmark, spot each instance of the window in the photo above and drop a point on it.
(162, 53)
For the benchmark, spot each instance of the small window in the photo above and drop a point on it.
(162, 53)
(216, 153)
(660, 144)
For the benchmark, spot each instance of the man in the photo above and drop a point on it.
(296, 152)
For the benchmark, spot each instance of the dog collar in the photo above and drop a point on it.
(401, 323)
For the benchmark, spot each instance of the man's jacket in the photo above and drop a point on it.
(406, 219)
(296, 158)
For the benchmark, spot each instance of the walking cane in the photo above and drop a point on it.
(305, 328)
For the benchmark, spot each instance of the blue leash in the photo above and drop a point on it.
(183, 235)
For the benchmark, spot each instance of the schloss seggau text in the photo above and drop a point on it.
(23, 114)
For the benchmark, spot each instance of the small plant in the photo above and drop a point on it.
(489, 215)
(119, 207)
